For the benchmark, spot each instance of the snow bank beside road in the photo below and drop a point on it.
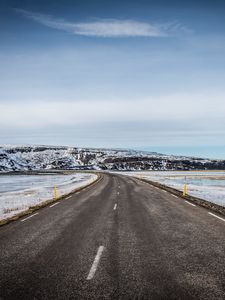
(207, 185)
(19, 192)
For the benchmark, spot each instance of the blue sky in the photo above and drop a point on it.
(129, 74)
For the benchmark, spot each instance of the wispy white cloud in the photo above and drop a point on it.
(165, 109)
(107, 28)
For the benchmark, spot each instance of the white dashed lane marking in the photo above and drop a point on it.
(95, 263)
(29, 217)
(190, 203)
(54, 204)
(222, 219)
(115, 206)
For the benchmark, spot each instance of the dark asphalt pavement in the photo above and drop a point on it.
(154, 246)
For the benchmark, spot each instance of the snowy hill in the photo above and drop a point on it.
(23, 158)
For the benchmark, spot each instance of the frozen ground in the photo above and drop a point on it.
(208, 185)
(19, 192)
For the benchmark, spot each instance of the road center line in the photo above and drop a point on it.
(95, 263)
(115, 206)
(29, 217)
(54, 204)
(216, 216)
(190, 203)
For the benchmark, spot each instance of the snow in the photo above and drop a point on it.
(19, 192)
(22, 158)
(207, 185)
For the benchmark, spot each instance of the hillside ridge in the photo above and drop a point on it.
(24, 158)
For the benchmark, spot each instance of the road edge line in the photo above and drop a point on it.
(192, 199)
(34, 208)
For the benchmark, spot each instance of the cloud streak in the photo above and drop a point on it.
(106, 28)
(176, 108)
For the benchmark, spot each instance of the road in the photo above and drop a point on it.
(117, 239)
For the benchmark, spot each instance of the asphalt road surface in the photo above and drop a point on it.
(117, 239)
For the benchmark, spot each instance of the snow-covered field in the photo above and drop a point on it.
(207, 185)
(19, 192)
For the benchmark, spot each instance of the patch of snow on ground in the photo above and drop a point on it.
(19, 192)
(207, 185)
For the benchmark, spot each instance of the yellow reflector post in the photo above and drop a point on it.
(185, 190)
(55, 193)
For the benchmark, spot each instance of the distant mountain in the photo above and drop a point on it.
(23, 158)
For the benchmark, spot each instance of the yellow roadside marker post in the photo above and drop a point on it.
(185, 187)
(55, 193)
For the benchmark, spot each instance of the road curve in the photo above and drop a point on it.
(118, 239)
